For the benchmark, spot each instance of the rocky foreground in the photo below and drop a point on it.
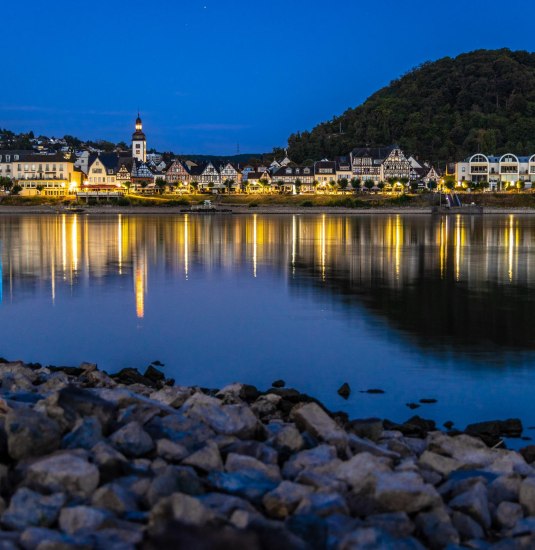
(89, 460)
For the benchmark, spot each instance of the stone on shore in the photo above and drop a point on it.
(312, 418)
(30, 433)
(30, 509)
(282, 501)
(81, 519)
(64, 471)
(132, 440)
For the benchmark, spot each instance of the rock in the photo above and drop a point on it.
(371, 538)
(428, 401)
(173, 480)
(207, 458)
(323, 504)
(491, 431)
(279, 384)
(404, 492)
(236, 420)
(85, 519)
(413, 406)
(178, 507)
(508, 514)
(132, 440)
(128, 537)
(361, 470)
(154, 375)
(526, 495)
(396, 524)
(64, 471)
(441, 464)
(130, 376)
(320, 455)
(467, 528)
(369, 428)
(34, 538)
(448, 424)
(528, 453)
(360, 445)
(236, 463)
(266, 406)
(30, 509)
(85, 435)
(172, 397)
(344, 390)
(437, 528)
(30, 433)
(256, 449)
(84, 403)
(115, 498)
(287, 439)
(171, 451)
(474, 502)
(249, 484)
(282, 501)
(315, 420)
(111, 463)
(505, 487)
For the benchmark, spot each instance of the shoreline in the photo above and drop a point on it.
(95, 460)
(273, 209)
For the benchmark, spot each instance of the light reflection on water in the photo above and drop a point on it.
(419, 306)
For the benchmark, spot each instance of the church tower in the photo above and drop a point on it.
(139, 142)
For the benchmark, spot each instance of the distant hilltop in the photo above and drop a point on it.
(445, 110)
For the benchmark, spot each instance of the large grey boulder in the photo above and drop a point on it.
(404, 492)
(207, 458)
(474, 502)
(178, 507)
(442, 464)
(527, 495)
(508, 514)
(64, 471)
(282, 501)
(30, 433)
(236, 462)
(236, 420)
(313, 419)
(171, 451)
(86, 434)
(132, 440)
(82, 519)
(30, 509)
(437, 528)
(309, 458)
(361, 470)
(114, 497)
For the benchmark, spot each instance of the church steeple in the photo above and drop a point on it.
(139, 142)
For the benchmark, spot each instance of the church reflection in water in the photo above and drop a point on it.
(452, 281)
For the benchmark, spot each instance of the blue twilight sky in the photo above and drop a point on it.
(209, 74)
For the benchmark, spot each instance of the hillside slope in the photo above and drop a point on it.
(442, 111)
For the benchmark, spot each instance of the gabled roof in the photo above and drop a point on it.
(376, 153)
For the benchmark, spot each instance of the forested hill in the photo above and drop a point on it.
(442, 111)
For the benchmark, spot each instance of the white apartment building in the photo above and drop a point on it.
(498, 171)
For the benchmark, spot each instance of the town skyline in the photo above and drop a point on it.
(233, 86)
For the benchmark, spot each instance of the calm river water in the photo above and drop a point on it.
(419, 306)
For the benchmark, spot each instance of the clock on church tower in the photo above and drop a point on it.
(139, 142)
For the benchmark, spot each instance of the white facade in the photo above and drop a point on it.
(499, 172)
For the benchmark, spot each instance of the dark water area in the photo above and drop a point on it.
(419, 306)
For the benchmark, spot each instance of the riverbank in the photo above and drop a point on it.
(130, 460)
(492, 203)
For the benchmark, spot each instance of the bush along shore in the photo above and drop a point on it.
(132, 460)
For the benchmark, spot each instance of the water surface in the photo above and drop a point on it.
(420, 306)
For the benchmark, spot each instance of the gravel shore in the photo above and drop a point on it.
(132, 460)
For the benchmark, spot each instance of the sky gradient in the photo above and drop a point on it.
(207, 75)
